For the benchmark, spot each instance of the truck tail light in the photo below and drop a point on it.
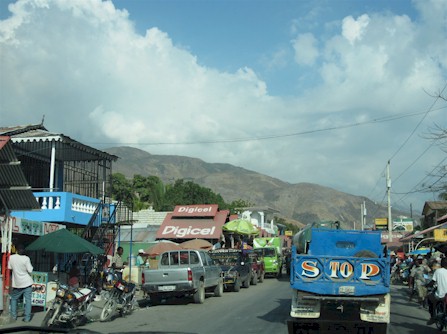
(142, 278)
(189, 275)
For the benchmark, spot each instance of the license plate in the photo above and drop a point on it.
(166, 288)
(346, 290)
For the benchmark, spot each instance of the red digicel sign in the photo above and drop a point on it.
(199, 210)
(190, 229)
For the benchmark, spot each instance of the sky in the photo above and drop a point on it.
(326, 91)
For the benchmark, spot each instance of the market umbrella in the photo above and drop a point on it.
(240, 226)
(162, 246)
(197, 244)
(63, 241)
(420, 251)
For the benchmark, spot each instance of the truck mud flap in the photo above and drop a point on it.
(311, 326)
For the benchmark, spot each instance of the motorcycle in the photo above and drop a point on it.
(120, 298)
(441, 314)
(69, 307)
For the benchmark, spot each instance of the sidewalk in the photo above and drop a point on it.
(39, 314)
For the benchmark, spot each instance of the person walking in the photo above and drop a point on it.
(22, 282)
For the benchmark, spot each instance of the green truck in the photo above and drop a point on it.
(270, 250)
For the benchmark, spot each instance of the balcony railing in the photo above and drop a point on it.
(61, 207)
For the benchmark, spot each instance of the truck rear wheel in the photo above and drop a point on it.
(155, 299)
(246, 283)
(254, 279)
(218, 290)
(199, 295)
(237, 286)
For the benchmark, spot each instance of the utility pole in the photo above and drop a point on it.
(388, 186)
(362, 215)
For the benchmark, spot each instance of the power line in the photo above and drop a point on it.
(294, 134)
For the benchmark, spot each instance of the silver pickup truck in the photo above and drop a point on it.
(183, 273)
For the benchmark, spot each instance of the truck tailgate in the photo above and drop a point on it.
(340, 276)
(166, 275)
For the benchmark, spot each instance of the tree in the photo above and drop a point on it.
(149, 191)
(187, 193)
(122, 189)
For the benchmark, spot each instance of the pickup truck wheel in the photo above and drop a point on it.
(199, 295)
(246, 283)
(254, 279)
(155, 299)
(218, 290)
(237, 286)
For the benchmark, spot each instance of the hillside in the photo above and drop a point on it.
(301, 203)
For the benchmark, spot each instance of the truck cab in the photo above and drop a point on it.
(270, 251)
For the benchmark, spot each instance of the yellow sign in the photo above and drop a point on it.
(288, 233)
(381, 221)
(440, 234)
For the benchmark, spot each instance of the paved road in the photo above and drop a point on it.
(260, 309)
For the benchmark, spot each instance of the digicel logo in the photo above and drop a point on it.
(181, 232)
(194, 209)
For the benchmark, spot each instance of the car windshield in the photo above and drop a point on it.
(265, 251)
(226, 259)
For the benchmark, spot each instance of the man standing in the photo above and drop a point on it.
(21, 267)
(440, 279)
(141, 258)
(117, 262)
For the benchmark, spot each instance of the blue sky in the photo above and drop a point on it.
(304, 91)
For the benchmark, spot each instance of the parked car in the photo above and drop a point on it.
(183, 273)
(235, 265)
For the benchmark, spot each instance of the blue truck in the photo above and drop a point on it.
(340, 280)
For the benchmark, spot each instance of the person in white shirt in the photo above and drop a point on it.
(440, 279)
(21, 267)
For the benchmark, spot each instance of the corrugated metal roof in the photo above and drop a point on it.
(15, 192)
(33, 140)
(433, 206)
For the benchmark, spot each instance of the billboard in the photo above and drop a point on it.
(440, 234)
(403, 224)
(381, 224)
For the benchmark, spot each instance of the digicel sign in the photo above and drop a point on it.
(190, 229)
(201, 210)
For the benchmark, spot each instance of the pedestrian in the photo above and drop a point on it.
(440, 279)
(74, 275)
(22, 282)
(117, 263)
(420, 269)
(141, 258)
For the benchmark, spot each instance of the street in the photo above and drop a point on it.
(259, 309)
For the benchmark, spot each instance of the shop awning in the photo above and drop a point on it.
(423, 232)
(15, 193)
(192, 228)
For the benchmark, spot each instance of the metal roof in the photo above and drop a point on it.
(32, 140)
(15, 192)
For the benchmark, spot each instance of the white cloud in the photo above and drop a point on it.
(83, 65)
(306, 50)
(354, 30)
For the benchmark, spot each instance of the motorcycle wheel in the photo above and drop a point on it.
(108, 310)
(48, 317)
(439, 316)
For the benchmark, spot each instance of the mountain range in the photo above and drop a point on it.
(300, 203)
